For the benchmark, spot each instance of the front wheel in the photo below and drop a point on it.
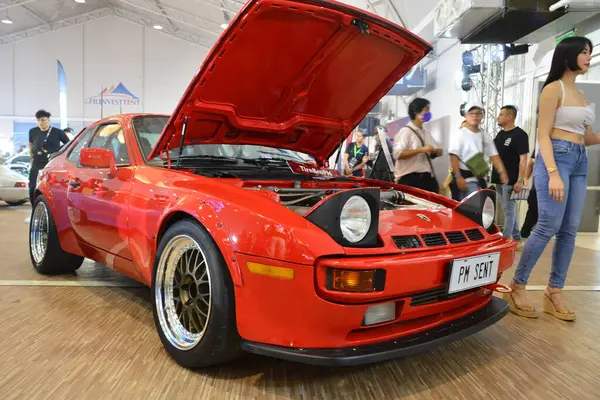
(47, 256)
(193, 298)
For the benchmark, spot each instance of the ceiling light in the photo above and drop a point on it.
(80, 1)
(158, 27)
(7, 20)
(224, 26)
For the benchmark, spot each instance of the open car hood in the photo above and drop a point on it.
(298, 75)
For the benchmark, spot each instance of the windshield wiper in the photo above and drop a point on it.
(212, 158)
(277, 155)
(200, 159)
(266, 161)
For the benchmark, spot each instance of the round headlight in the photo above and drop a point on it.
(488, 213)
(355, 219)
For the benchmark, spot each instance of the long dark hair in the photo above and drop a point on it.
(565, 56)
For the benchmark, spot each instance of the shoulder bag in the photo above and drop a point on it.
(428, 159)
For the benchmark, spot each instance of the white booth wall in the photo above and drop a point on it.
(151, 65)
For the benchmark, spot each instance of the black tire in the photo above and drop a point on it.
(16, 203)
(219, 341)
(54, 260)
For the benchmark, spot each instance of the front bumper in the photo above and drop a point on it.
(295, 313)
(494, 311)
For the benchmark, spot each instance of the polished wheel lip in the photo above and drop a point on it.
(39, 232)
(169, 294)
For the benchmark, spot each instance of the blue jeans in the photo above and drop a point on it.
(471, 187)
(556, 218)
(511, 226)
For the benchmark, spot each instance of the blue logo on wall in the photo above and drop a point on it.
(117, 95)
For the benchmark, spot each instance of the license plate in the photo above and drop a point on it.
(472, 272)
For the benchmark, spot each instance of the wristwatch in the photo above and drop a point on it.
(551, 170)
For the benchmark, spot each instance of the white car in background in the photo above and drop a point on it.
(14, 187)
(19, 163)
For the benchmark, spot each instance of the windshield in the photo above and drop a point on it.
(149, 128)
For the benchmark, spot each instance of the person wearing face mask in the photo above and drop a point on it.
(560, 175)
(414, 149)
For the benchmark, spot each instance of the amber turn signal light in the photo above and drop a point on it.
(271, 270)
(355, 280)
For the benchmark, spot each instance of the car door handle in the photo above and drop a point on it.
(74, 184)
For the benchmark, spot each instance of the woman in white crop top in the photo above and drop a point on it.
(560, 176)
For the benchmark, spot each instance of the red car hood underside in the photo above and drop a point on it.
(292, 74)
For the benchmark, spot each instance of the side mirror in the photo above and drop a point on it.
(98, 158)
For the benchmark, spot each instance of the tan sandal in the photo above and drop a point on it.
(550, 307)
(523, 309)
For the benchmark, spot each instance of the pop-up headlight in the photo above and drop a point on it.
(350, 217)
(480, 207)
(355, 219)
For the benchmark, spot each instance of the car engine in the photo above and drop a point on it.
(301, 200)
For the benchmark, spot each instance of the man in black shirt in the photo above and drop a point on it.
(43, 141)
(356, 156)
(512, 143)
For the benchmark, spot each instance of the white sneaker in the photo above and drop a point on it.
(28, 220)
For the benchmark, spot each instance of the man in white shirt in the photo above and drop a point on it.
(414, 148)
(469, 145)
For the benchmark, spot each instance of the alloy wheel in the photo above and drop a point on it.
(183, 292)
(39, 232)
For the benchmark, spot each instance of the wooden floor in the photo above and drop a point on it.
(92, 337)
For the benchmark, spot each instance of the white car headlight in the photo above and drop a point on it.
(355, 219)
(488, 213)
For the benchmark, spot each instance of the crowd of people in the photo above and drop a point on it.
(551, 178)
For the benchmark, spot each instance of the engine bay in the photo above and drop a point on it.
(302, 199)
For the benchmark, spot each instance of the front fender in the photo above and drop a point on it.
(259, 227)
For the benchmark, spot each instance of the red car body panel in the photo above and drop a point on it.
(292, 314)
(293, 74)
(118, 220)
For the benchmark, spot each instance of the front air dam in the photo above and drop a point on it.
(491, 313)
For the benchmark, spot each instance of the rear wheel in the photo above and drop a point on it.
(193, 298)
(44, 247)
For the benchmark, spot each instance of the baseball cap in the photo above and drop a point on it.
(472, 105)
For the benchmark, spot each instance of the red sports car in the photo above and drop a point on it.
(229, 211)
